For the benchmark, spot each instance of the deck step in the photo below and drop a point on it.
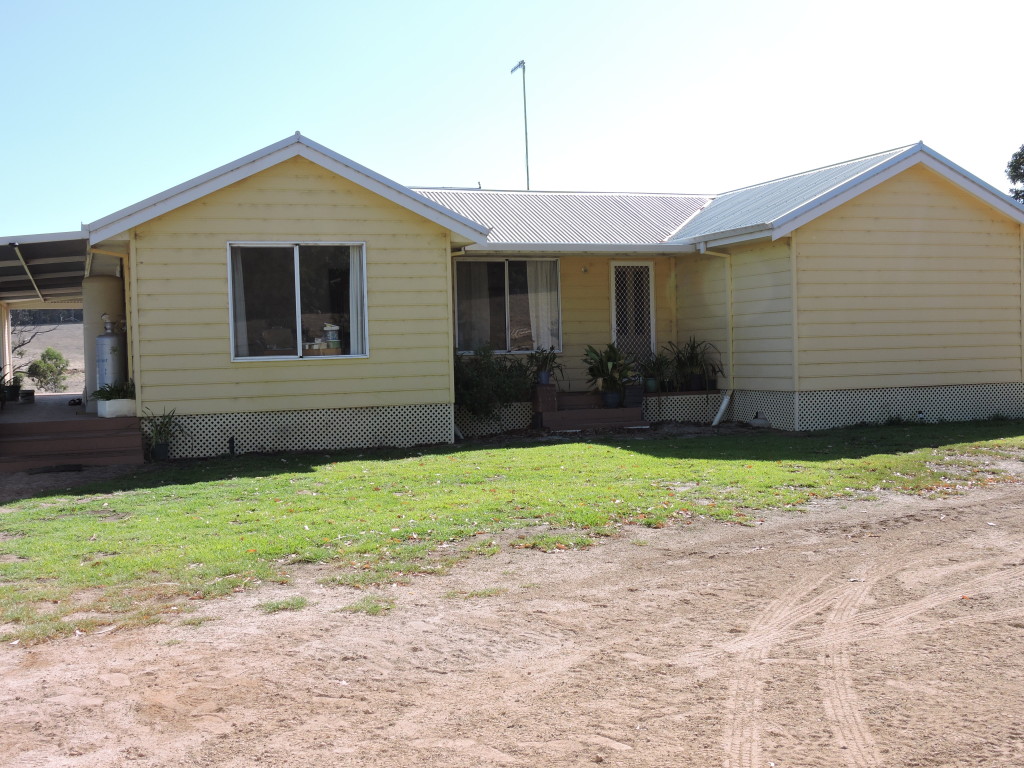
(593, 418)
(89, 442)
(82, 424)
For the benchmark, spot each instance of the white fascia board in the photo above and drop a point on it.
(579, 248)
(293, 146)
(918, 154)
(971, 184)
(737, 235)
(748, 237)
(52, 237)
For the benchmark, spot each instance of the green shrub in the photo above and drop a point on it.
(484, 381)
(50, 371)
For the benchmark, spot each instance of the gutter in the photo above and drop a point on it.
(580, 248)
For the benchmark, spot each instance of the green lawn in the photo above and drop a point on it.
(126, 552)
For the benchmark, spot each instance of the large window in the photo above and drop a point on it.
(297, 300)
(509, 305)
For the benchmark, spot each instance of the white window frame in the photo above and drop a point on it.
(504, 260)
(650, 294)
(364, 325)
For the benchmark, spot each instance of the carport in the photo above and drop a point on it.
(47, 271)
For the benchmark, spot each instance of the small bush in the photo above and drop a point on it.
(484, 381)
(50, 371)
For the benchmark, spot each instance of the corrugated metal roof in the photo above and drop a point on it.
(764, 203)
(53, 270)
(571, 218)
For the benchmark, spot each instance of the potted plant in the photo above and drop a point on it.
(12, 389)
(655, 368)
(704, 364)
(162, 429)
(694, 364)
(544, 364)
(115, 399)
(607, 371)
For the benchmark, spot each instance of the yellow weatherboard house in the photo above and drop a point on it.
(296, 300)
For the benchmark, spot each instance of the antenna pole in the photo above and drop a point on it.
(526, 128)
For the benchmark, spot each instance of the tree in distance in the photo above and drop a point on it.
(1015, 172)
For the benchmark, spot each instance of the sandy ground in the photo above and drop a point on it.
(857, 634)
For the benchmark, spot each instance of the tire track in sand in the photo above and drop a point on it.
(839, 699)
(741, 737)
(890, 621)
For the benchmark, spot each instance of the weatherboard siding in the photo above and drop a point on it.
(702, 301)
(180, 272)
(762, 299)
(586, 302)
(913, 283)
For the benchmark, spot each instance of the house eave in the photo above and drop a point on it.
(580, 248)
(729, 237)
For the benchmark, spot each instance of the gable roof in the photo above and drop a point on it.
(776, 208)
(551, 219)
(294, 146)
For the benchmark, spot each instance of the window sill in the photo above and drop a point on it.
(295, 358)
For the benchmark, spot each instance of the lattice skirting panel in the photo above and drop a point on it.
(698, 408)
(777, 407)
(965, 402)
(508, 418)
(326, 429)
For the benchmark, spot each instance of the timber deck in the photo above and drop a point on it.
(50, 434)
(577, 411)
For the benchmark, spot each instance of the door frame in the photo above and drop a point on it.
(650, 294)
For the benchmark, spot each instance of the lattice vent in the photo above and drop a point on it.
(697, 408)
(777, 407)
(324, 429)
(825, 409)
(508, 418)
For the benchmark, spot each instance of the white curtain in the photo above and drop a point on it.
(542, 283)
(356, 301)
(239, 325)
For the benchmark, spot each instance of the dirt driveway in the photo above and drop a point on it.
(856, 634)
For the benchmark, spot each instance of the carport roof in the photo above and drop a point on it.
(46, 268)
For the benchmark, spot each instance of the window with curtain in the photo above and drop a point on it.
(509, 305)
(297, 300)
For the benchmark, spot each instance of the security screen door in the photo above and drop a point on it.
(633, 308)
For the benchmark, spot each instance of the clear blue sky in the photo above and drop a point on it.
(109, 102)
